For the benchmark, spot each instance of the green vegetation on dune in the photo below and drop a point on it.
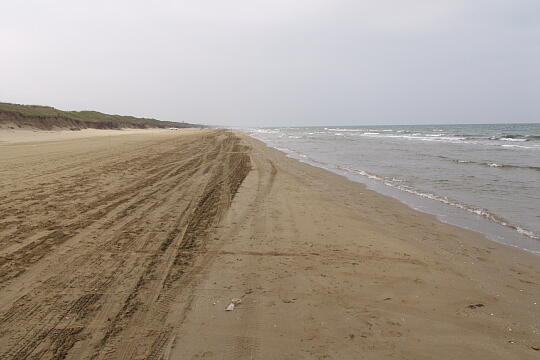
(47, 117)
(31, 110)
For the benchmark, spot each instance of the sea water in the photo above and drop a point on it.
(482, 177)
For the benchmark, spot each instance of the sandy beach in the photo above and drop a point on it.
(11, 136)
(132, 246)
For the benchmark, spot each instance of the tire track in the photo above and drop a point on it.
(92, 284)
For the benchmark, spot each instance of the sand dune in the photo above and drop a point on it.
(131, 247)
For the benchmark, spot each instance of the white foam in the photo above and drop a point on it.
(535, 147)
(445, 200)
(346, 130)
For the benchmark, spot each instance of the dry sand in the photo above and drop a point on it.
(131, 247)
(32, 135)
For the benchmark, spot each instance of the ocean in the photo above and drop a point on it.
(482, 177)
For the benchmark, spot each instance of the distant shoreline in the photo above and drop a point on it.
(386, 125)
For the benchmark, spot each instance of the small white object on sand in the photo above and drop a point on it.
(233, 304)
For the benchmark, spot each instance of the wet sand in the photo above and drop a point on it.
(131, 247)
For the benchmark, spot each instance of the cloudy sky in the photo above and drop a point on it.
(277, 62)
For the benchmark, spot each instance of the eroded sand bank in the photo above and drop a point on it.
(132, 246)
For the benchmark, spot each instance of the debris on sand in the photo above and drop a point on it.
(474, 306)
(233, 304)
(288, 301)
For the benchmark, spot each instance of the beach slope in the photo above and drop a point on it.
(132, 246)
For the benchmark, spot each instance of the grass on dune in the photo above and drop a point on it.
(87, 116)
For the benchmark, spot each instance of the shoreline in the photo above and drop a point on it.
(132, 246)
(449, 213)
(373, 277)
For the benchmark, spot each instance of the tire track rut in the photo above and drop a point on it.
(119, 245)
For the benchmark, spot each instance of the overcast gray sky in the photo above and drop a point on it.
(277, 62)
